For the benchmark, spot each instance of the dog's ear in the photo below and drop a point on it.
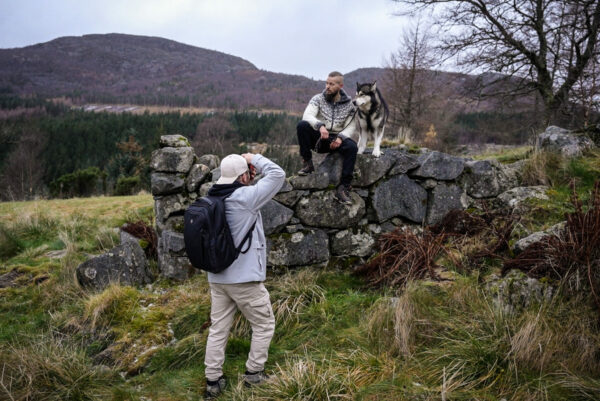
(374, 86)
(357, 87)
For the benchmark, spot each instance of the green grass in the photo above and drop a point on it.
(334, 339)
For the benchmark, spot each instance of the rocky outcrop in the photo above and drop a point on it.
(487, 178)
(515, 197)
(537, 236)
(125, 264)
(563, 141)
(516, 291)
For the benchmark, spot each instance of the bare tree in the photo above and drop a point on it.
(212, 136)
(23, 169)
(546, 45)
(586, 92)
(410, 93)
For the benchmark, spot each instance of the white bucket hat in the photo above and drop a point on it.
(232, 167)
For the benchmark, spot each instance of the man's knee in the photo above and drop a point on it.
(350, 146)
(303, 126)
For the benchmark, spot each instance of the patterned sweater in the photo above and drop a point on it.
(337, 117)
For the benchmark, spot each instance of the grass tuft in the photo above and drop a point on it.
(52, 369)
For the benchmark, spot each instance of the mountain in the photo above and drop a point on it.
(118, 68)
(140, 69)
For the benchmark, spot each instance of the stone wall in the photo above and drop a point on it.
(304, 224)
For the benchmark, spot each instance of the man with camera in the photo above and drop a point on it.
(240, 286)
(328, 126)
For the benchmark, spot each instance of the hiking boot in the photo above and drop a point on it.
(214, 389)
(307, 168)
(255, 378)
(342, 195)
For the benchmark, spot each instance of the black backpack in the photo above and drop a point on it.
(208, 241)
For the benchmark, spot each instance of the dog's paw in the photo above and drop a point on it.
(377, 152)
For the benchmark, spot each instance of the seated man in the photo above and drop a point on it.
(329, 116)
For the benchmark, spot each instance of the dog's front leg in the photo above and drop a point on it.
(362, 141)
(378, 137)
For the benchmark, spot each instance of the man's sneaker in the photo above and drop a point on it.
(342, 195)
(255, 378)
(214, 389)
(307, 168)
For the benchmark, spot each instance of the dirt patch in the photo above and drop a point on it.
(8, 279)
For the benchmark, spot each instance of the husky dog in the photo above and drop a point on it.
(372, 113)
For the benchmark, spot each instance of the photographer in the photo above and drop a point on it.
(240, 286)
(328, 123)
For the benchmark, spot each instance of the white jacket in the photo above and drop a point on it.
(242, 208)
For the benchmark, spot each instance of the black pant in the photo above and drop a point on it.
(307, 139)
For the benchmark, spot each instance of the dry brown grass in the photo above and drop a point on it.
(102, 208)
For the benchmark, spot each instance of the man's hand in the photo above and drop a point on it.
(248, 157)
(324, 132)
(336, 144)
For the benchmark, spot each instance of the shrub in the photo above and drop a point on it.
(573, 255)
(403, 256)
(127, 185)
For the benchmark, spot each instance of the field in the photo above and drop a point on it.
(336, 338)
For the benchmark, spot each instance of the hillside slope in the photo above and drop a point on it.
(119, 68)
(140, 69)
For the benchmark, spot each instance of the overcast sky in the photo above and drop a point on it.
(305, 37)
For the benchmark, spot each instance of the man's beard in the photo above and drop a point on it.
(330, 97)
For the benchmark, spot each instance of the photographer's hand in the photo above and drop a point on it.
(248, 157)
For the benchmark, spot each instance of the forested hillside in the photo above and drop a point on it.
(58, 151)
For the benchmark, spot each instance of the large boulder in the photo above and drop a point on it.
(370, 169)
(166, 183)
(290, 198)
(172, 160)
(320, 209)
(513, 198)
(167, 206)
(298, 249)
(538, 236)
(173, 223)
(125, 264)
(486, 178)
(404, 162)
(211, 161)
(367, 170)
(560, 140)
(275, 216)
(444, 198)
(439, 166)
(516, 291)
(175, 267)
(174, 141)
(173, 262)
(316, 180)
(352, 243)
(399, 196)
(197, 175)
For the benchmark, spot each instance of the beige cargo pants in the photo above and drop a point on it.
(253, 301)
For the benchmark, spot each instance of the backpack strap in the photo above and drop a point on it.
(248, 235)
